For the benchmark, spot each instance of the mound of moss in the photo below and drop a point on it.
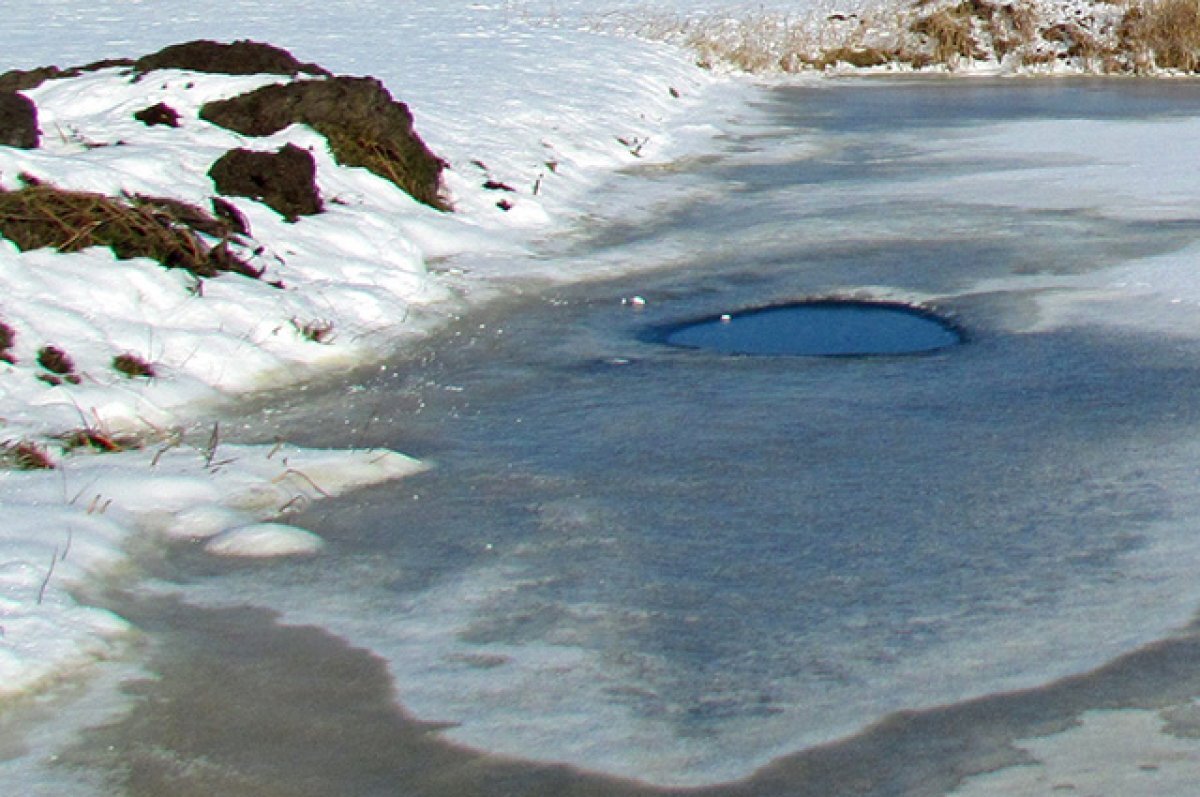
(363, 124)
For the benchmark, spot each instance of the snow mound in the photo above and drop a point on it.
(265, 540)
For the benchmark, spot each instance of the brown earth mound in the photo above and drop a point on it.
(163, 230)
(239, 58)
(18, 121)
(160, 114)
(26, 79)
(285, 180)
(7, 338)
(363, 124)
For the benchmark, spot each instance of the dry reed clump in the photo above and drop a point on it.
(1163, 34)
(92, 439)
(1110, 38)
(951, 31)
(165, 230)
(770, 42)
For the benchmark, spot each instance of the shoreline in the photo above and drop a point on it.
(52, 636)
(539, 224)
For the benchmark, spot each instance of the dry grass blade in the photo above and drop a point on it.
(166, 231)
(97, 440)
(24, 455)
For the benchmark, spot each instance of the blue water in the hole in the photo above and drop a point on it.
(675, 565)
(819, 328)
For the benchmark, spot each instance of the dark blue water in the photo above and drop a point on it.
(818, 329)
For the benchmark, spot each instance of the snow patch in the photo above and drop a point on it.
(265, 540)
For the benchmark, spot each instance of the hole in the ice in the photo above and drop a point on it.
(819, 328)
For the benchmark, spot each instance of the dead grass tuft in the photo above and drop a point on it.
(1163, 34)
(863, 57)
(92, 439)
(318, 330)
(951, 32)
(24, 455)
(1118, 37)
(164, 230)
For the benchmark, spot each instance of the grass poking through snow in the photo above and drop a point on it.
(24, 455)
(38, 216)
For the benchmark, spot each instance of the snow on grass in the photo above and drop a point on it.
(506, 94)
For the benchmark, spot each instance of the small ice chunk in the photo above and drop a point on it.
(265, 540)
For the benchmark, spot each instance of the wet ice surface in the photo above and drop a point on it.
(675, 565)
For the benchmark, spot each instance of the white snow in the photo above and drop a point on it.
(264, 539)
(505, 93)
(523, 93)
(1097, 757)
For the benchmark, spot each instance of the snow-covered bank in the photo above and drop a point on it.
(58, 529)
(530, 114)
(546, 110)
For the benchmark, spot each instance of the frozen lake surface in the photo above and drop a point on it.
(676, 566)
